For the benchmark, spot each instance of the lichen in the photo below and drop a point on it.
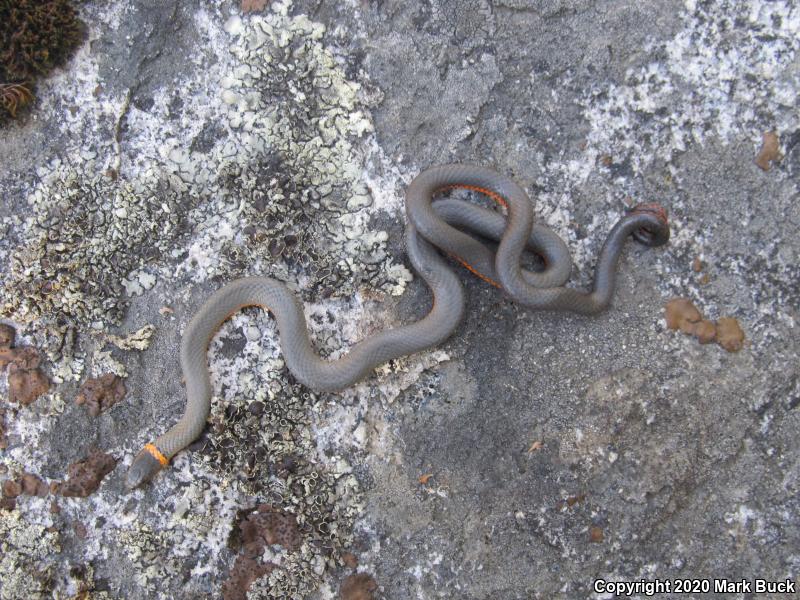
(85, 236)
(668, 105)
(267, 182)
(292, 200)
(25, 552)
(261, 434)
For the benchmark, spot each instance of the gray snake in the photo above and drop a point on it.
(431, 225)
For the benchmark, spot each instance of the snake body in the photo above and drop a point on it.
(431, 225)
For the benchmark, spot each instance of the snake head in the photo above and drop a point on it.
(655, 229)
(143, 468)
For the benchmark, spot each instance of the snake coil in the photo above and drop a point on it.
(431, 225)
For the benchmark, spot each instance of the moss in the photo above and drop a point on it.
(35, 37)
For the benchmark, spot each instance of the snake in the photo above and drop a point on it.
(436, 227)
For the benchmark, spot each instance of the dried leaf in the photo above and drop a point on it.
(537, 445)
(770, 150)
(253, 5)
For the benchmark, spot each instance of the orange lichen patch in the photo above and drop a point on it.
(424, 479)
(770, 152)
(101, 393)
(360, 586)
(86, 475)
(595, 534)
(253, 5)
(729, 334)
(705, 331)
(264, 527)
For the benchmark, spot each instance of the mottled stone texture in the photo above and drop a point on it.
(551, 449)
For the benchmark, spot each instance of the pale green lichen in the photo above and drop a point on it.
(136, 340)
(282, 193)
(86, 234)
(25, 554)
(292, 199)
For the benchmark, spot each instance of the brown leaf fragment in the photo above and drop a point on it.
(101, 393)
(705, 331)
(253, 5)
(14, 96)
(537, 445)
(33, 486)
(359, 586)
(770, 152)
(12, 488)
(729, 334)
(681, 314)
(595, 534)
(573, 500)
(25, 386)
(86, 475)
(263, 527)
(424, 479)
(7, 336)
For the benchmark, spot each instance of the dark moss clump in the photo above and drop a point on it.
(35, 37)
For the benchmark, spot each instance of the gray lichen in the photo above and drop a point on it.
(85, 236)
(275, 187)
(26, 552)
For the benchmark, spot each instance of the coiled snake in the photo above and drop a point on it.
(431, 225)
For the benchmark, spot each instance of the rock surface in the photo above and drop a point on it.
(188, 143)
